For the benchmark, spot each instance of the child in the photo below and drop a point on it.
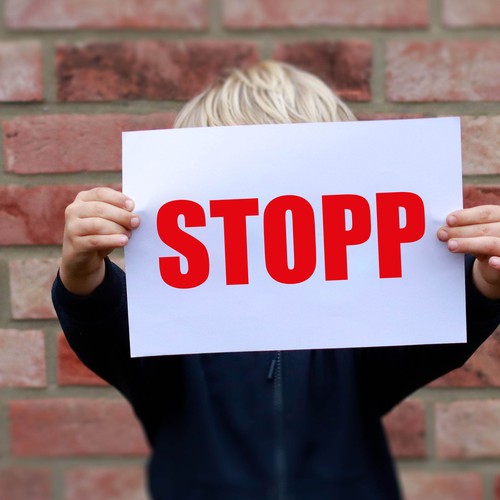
(294, 425)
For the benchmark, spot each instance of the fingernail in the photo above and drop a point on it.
(129, 204)
(442, 235)
(452, 245)
(495, 262)
(123, 239)
(134, 221)
(451, 220)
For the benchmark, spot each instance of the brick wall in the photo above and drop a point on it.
(74, 74)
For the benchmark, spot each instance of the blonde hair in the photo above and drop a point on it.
(268, 92)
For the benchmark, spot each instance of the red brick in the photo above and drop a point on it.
(298, 13)
(96, 14)
(104, 483)
(343, 65)
(70, 370)
(468, 429)
(482, 369)
(20, 71)
(34, 216)
(71, 143)
(481, 144)
(464, 70)
(405, 426)
(154, 69)
(22, 358)
(497, 487)
(460, 13)
(75, 427)
(23, 483)
(30, 285)
(475, 195)
(442, 485)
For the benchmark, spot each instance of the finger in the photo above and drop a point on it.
(96, 225)
(107, 195)
(477, 215)
(102, 210)
(98, 242)
(471, 231)
(486, 245)
(494, 262)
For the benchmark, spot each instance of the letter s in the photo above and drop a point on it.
(171, 234)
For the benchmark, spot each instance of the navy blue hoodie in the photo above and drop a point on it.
(291, 425)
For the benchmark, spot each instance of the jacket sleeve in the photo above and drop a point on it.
(96, 327)
(390, 374)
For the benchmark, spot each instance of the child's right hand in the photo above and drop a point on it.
(97, 222)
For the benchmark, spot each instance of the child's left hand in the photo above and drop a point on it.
(477, 231)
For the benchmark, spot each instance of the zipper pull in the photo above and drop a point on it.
(272, 366)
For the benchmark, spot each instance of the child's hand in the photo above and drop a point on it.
(477, 231)
(97, 222)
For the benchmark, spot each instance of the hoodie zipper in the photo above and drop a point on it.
(276, 375)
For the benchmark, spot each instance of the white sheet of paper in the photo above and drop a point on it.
(426, 305)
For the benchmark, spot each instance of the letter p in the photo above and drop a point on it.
(390, 233)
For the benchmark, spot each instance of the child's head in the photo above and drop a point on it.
(268, 92)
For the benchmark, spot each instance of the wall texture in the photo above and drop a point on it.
(74, 74)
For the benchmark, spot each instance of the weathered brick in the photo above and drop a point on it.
(457, 70)
(21, 71)
(497, 487)
(30, 284)
(70, 370)
(75, 427)
(482, 369)
(343, 65)
(481, 144)
(468, 429)
(442, 485)
(34, 216)
(96, 14)
(104, 483)
(149, 69)
(22, 358)
(475, 195)
(461, 13)
(30, 287)
(405, 426)
(25, 483)
(71, 143)
(297, 13)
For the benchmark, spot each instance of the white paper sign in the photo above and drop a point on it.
(247, 234)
